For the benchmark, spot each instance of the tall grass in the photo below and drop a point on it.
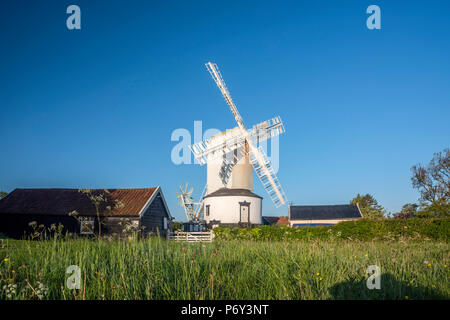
(158, 269)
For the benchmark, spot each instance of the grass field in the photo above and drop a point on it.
(158, 269)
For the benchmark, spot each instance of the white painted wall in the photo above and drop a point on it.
(227, 209)
(241, 175)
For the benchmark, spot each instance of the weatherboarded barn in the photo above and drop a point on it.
(322, 215)
(123, 211)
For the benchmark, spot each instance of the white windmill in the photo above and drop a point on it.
(231, 157)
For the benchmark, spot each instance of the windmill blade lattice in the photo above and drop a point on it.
(260, 132)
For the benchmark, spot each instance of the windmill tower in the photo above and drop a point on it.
(230, 157)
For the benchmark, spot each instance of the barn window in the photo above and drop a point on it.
(207, 210)
(165, 223)
(87, 227)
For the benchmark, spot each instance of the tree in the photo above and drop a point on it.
(99, 199)
(433, 183)
(177, 225)
(369, 207)
(3, 194)
(409, 210)
(436, 209)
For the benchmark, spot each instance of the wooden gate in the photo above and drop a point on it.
(192, 236)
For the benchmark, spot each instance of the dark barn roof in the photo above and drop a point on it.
(275, 220)
(227, 192)
(344, 211)
(63, 201)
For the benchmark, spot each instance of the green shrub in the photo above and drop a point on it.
(364, 230)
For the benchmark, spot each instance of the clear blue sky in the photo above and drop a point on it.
(96, 107)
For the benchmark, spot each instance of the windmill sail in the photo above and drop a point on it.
(193, 210)
(218, 148)
(267, 176)
(266, 130)
(215, 73)
(206, 150)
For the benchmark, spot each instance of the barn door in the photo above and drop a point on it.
(244, 212)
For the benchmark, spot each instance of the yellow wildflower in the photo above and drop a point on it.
(429, 265)
(317, 274)
(6, 259)
(406, 297)
(320, 278)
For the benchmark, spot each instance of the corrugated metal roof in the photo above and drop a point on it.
(343, 211)
(63, 201)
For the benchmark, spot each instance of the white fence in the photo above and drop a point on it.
(192, 236)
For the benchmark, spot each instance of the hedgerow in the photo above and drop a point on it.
(364, 230)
